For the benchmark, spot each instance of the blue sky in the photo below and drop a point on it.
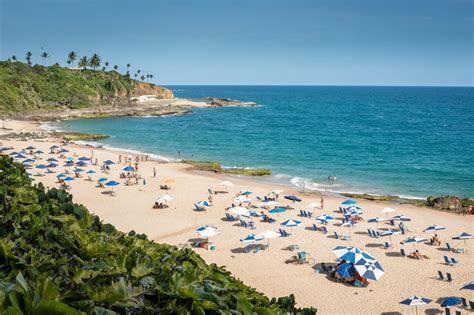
(331, 42)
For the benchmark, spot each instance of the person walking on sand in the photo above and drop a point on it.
(322, 203)
(144, 184)
(210, 200)
(154, 172)
(120, 158)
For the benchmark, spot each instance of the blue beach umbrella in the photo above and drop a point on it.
(81, 163)
(416, 300)
(251, 238)
(401, 217)
(349, 202)
(78, 170)
(469, 286)
(52, 160)
(434, 228)
(90, 172)
(20, 156)
(41, 167)
(291, 223)
(39, 152)
(14, 153)
(204, 227)
(63, 151)
(52, 165)
(70, 159)
(246, 193)
(61, 176)
(108, 162)
(53, 147)
(369, 269)
(346, 270)
(351, 254)
(102, 179)
(68, 179)
(28, 161)
(293, 198)
(277, 210)
(112, 183)
(129, 169)
(30, 148)
(84, 158)
(451, 301)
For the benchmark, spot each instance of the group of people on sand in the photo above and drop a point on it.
(160, 205)
(417, 255)
(355, 280)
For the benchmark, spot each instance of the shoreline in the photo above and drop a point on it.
(131, 209)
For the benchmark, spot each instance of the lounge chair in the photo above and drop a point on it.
(447, 261)
(198, 208)
(402, 252)
(457, 312)
(324, 230)
(471, 304)
(251, 225)
(387, 245)
(303, 213)
(454, 261)
(455, 250)
(315, 227)
(284, 233)
(342, 237)
(243, 223)
(449, 277)
(310, 214)
(230, 217)
(440, 275)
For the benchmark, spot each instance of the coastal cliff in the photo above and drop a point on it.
(25, 88)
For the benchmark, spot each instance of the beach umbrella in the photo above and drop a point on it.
(416, 300)
(469, 286)
(389, 233)
(268, 235)
(401, 217)
(51, 165)
(355, 212)
(202, 228)
(203, 203)
(293, 198)
(413, 240)
(52, 160)
(28, 161)
(165, 198)
(81, 163)
(39, 152)
(387, 210)
(84, 158)
(346, 270)
(268, 203)
(291, 223)
(53, 147)
(226, 184)
(207, 231)
(451, 301)
(129, 169)
(369, 269)
(351, 254)
(41, 167)
(68, 179)
(434, 228)
(251, 238)
(102, 179)
(108, 162)
(61, 176)
(112, 183)
(70, 159)
(30, 148)
(63, 151)
(14, 153)
(376, 220)
(78, 170)
(246, 193)
(239, 211)
(277, 210)
(90, 172)
(463, 236)
(241, 198)
(325, 218)
(349, 202)
(20, 156)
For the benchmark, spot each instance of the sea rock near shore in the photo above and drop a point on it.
(451, 203)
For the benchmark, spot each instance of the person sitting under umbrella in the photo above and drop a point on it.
(435, 240)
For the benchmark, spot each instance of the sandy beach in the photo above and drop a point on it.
(131, 209)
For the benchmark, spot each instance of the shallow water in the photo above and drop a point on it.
(409, 141)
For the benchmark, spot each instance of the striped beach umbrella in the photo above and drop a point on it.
(401, 217)
(415, 301)
(251, 238)
(325, 218)
(434, 228)
(351, 254)
(291, 223)
(207, 231)
(463, 236)
(277, 210)
(413, 240)
(369, 269)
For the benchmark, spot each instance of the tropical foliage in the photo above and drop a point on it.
(57, 258)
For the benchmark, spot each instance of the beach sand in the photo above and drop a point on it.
(131, 209)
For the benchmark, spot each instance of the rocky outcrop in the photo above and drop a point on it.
(450, 203)
(141, 88)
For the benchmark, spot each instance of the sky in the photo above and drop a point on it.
(254, 42)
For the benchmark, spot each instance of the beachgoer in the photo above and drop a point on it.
(154, 172)
(322, 202)
(209, 199)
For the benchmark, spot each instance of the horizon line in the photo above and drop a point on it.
(319, 85)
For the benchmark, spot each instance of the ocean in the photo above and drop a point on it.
(406, 141)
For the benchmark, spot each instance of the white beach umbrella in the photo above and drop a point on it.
(227, 184)
(242, 198)
(207, 231)
(239, 211)
(268, 235)
(387, 210)
(165, 198)
(268, 203)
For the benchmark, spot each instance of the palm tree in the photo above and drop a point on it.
(71, 57)
(136, 75)
(138, 71)
(14, 58)
(83, 62)
(128, 67)
(28, 57)
(94, 62)
(45, 56)
(69, 63)
(106, 64)
(142, 77)
(115, 67)
(151, 76)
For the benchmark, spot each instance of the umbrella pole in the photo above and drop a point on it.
(416, 309)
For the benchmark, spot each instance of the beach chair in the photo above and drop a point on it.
(243, 223)
(387, 245)
(465, 304)
(336, 235)
(324, 230)
(376, 234)
(197, 208)
(342, 237)
(447, 261)
(402, 252)
(315, 227)
(449, 277)
(251, 225)
(454, 250)
(310, 214)
(358, 283)
(302, 213)
(471, 304)
(369, 232)
(457, 312)
(284, 233)
(440, 275)
(454, 261)
(447, 311)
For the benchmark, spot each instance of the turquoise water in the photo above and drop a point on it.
(409, 141)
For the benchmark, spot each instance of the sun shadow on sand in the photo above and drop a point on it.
(360, 233)
(238, 250)
(373, 245)
(432, 311)
(393, 254)
(390, 313)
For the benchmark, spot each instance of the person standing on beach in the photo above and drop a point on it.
(154, 172)
(144, 184)
(322, 203)
(120, 158)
